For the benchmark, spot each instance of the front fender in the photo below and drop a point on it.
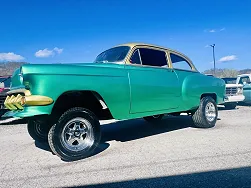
(113, 89)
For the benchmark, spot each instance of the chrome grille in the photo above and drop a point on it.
(231, 90)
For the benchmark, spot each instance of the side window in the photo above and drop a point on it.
(153, 57)
(244, 80)
(179, 62)
(135, 59)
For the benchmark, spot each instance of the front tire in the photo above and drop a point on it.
(38, 130)
(75, 135)
(207, 113)
(230, 106)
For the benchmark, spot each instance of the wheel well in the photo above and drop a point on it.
(213, 95)
(87, 99)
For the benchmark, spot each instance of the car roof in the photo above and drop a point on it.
(146, 44)
(132, 45)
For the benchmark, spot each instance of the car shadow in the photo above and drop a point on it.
(244, 104)
(224, 109)
(128, 130)
(45, 146)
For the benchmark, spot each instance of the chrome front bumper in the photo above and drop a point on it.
(236, 98)
(16, 100)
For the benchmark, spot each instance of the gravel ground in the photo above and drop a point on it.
(134, 153)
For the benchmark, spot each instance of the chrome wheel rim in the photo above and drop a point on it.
(210, 111)
(77, 135)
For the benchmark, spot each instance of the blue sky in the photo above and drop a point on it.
(52, 31)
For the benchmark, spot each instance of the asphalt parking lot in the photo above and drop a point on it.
(134, 153)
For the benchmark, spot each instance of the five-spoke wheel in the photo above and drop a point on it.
(207, 113)
(75, 135)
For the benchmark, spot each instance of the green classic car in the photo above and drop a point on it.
(64, 102)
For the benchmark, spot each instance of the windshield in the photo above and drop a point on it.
(230, 80)
(113, 55)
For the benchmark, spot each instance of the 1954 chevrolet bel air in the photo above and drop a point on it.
(64, 102)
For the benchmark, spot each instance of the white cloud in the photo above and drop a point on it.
(10, 57)
(215, 30)
(44, 53)
(228, 58)
(47, 53)
(212, 31)
(58, 50)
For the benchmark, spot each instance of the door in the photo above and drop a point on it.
(246, 82)
(154, 86)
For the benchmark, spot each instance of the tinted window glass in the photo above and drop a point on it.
(179, 62)
(6, 81)
(135, 59)
(229, 80)
(244, 79)
(113, 55)
(153, 57)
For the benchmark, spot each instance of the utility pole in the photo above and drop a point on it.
(213, 45)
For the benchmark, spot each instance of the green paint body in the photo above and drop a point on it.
(129, 91)
(247, 93)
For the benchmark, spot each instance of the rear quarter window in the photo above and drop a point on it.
(179, 62)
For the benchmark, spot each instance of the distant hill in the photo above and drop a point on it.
(227, 72)
(245, 71)
(9, 67)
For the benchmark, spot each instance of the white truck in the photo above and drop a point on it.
(245, 80)
(234, 93)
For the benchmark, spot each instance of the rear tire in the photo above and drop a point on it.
(207, 113)
(154, 118)
(38, 130)
(76, 134)
(230, 106)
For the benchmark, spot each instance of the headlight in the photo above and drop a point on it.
(239, 90)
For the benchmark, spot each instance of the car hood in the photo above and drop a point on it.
(72, 68)
(78, 69)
